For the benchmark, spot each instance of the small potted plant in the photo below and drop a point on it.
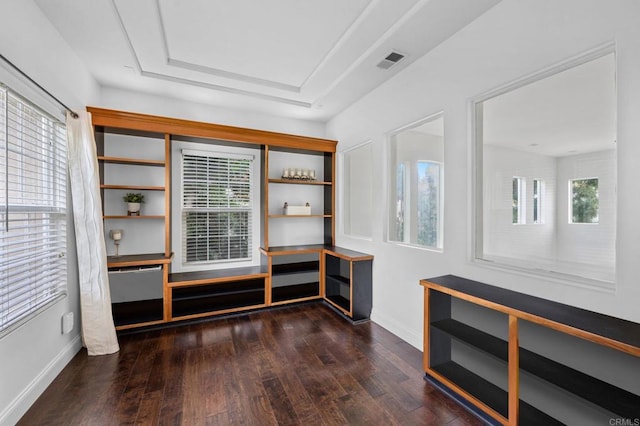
(133, 201)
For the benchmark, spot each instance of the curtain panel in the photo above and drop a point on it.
(98, 330)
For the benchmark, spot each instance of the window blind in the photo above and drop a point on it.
(216, 207)
(32, 209)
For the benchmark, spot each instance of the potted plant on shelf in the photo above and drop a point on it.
(133, 201)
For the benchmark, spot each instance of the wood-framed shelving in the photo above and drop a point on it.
(441, 328)
(192, 295)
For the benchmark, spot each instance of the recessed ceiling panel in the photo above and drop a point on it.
(279, 40)
(299, 58)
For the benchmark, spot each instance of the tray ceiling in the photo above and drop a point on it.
(306, 59)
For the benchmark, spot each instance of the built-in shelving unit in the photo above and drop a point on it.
(133, 148)
(520, 365)
(315, 228)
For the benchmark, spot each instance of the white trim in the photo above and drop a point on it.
(475, 180)
(178, 149)
(215, 154)
(21, 403)
(389, 171)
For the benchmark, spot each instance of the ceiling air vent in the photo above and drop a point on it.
(391, 59)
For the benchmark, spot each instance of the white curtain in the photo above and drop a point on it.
(98, 331)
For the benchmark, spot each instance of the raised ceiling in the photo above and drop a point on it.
(299, 58)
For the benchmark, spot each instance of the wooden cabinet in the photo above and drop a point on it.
(498, 359)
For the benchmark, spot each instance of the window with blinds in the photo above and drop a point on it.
(33, 267)
(216, 207)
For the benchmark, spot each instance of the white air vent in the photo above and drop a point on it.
(390, 60)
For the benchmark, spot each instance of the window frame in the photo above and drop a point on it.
(537, 198)
(571, 206)
(520, 213)
(212, 148)
(475, 251)
(39, 202)
(410, 175)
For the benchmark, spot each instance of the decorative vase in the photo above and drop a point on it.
(133, 209)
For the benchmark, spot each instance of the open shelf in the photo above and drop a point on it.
(138, 260)
(299, 182)
(280, 216)
(491, 395)
(339, 279)
(141, 311)
(131, 161)
(135, 217)
(544, 375)
(295, 267)
(596, 391)
(179, 279)
(295, 291)
(217, 297)
(343, 302)
(134, 187)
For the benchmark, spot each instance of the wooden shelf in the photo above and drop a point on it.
(339, 279)
(295, 292)
(134, 217)
(131, 161)
(138, 260)
(281, 216)
(180, 279)
(300, 182)
(133, 187)
(295, 268)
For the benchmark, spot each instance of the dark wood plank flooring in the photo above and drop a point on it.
(300, 365)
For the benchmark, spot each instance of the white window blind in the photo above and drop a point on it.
(32, 209)
(216, 207)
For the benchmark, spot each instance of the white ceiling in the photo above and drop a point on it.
(568, 113)
(298, 58)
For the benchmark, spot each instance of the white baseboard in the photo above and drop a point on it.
(16, 409)
(413, 337)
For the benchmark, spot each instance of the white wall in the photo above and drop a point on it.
(513, 39)
(126, 100)
(32, 355)
(586, 242)
(501, 237)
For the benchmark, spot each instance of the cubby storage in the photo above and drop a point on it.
(348, 282)
(537, 385)
(286, 230)
(134, 161)
(213, 298)
(295, 277)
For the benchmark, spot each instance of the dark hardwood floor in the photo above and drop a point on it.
(300, 365)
